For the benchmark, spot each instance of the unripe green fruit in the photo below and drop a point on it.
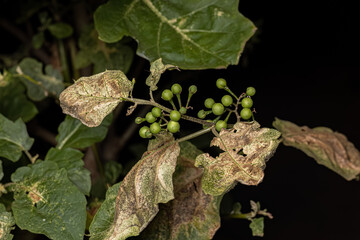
(176, 88)
(167, 95)
(220, 124)
(192, 89)
(155, 128)
(156, 112)
(144, 132)
(247, 103)
(218, 109)
(150, 117)
(246, 113)
(201, 114)
(182, 110)
(226, 100)
(209, 102)
(173, 126)
(175, 115)
(221, 83)
(139, 120)
(250, 91)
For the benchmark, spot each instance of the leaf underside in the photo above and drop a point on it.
(191, 35)
(246, 149)
(328, 148)
(91, 99)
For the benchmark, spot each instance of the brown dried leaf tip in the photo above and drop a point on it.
(91, 99)
(328, 148)
(246, 149)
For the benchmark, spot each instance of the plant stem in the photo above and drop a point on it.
(195, 134)
(98, 162)
(64, 63)
(31, 158)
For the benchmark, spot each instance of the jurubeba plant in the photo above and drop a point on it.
(174, 190)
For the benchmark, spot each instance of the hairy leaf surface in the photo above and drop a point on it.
(38, 84)
(91, 99)
(191, 34)
(46, 202)
(192, 214)
(7, 223)
(328, 148)
(74, 134)
(246, 149)
(147, 184)
(13, 138)
(71, 160)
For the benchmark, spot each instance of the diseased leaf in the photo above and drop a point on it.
(246, 149)
(192, 214)
(7, 223)
(147, 184)
(191, 35)
(60, 30)
(71, 160)
(156, 69)
(74, 134)
(13, 138)
(104, 56)
(46, 202)
(328, 148)
(14, 103)
(38, 84)
(257, 227)
(91, 99)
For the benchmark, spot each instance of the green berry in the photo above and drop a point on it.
(139, 120)
(218, 109)
(226, 100)
(156, 112)
(209, 102)
(144, 132)
(220, 124)
(150, 118)
(182, 110)
(176, 89)
(221, 83)
(155, 128)
(175, 115)
(173, 126)
(167, 95)
(250, 91)
(246, 113)
(201, 114)
(192, 89)
(247, 103)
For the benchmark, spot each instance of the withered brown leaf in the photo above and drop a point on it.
(91, 99)
(328, 148)
(246, 149)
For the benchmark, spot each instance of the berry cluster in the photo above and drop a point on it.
(157, 118)
(227, 101)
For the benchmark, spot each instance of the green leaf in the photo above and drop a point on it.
(38, 40)
(91, 99)
(192, 214)
(60, 30)
(104, 56)
(156, 69)
(188, 34)
(71, 160)
(147, 184)
(328, 148)
(257, 227)
(246, 149)
(46, 202)
(1, 171)
(74, 134)
(14, 103)
(7, 223)
(38, 84)
(112, 171)
(13, 138)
